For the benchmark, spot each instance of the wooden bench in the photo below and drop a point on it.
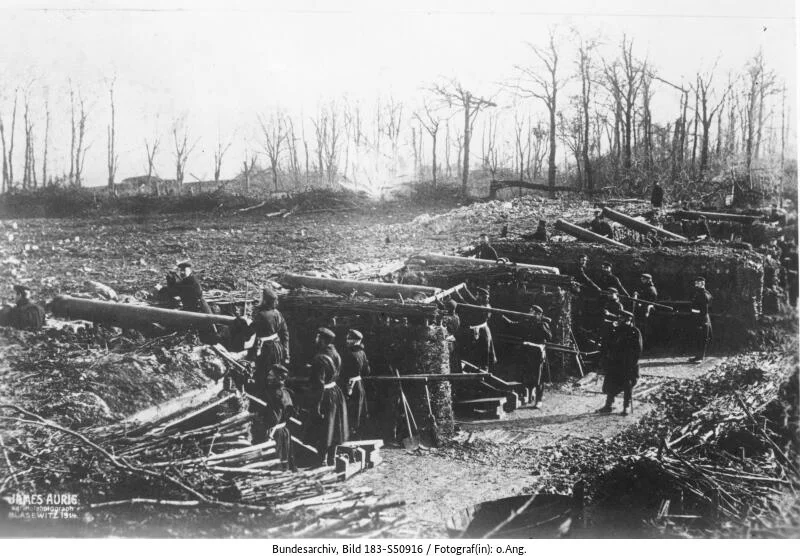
(490, 408)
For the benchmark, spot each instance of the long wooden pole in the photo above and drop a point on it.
(125, 315)
(438, 259)
(586, 235)
(638, 225)
(378, 289)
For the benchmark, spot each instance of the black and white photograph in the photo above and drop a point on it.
(416, 278)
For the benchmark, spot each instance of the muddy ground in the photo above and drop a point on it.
(483, 461)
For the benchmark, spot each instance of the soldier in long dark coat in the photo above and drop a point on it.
(645, 291)
(355, 366)
(620, 356)
(329, 413)
(474, 337)
(186, 286)
(600, 226)
(701, 303)
(280, 408)
(536, 331)
(25, 314)
(271, 346)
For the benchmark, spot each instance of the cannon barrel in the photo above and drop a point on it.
(125, 315)
(586, 235)
(437, 259)
(638, 225)
(715, 216)
(378, 289)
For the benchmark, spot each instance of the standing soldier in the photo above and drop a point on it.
(608, 280)
(475, 338)
(657, 195)
(452, 323)
(280, 408)
(586, 283)
(621, 357)
(541, 232)
(701, 303)
(25, 314)
(537, 332)
(355, 366)
(329, 409)
(645, 291)
(271, 346)
(484, 250)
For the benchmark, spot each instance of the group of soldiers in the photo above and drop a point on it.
(622, 335)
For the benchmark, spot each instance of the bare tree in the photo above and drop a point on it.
(393, 112)
(759, 84)
(78, 148)
(624, 79)
(219, 154)
(28, 178)
(585, 65)
(522, 143)
(180, 136)
(8, 150)
(457, 95)
(544, 88)
(491, 156)
(112, 158)
(248, 165)
(151, 150)
(291, 145)
(705, 90)
(431, 122)
(274, 142)
(46, 140)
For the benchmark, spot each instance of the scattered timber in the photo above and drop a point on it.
(638, 225)
(346, 287)
(586, 235)
(496, 185)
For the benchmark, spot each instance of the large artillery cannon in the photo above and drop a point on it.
(125, 315)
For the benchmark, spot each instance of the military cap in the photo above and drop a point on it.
(326, 332)
(610, 290)
(536, 309)
(355, 334)
(184, 264)
(22, 290)
(648, 276)
(280, 369)
(269, 293)
(699, 279)
(605, 263)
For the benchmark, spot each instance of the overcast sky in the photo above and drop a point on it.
(221, 63)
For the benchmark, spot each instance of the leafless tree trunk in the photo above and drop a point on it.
(624, 87)
(112, 157)
(219, 154)
(456, 95)
(291, 143)
(430, 121)
(489, 147)
(585, 70)
(248, 165)
(391, 128)
(706, 114)
(180, 135)
(274, 142)
(80, 138)
(46, 140)
(545, 89)
(151, 151)
(8, 155)
(760, 84)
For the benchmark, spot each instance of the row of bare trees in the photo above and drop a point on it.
(598, 112)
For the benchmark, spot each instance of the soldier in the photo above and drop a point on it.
(474, 340)
(355, 366)
(657, 195)
(537, 332)
(271, 346)
(645, 291)
(185, 285)
(611, 310)
(701, 303)
(329, 412)
(541, 232)
(608, 280)
(452, 323)
(484, 250)
(25, 314)
(621, 360)
(586, 283)
(600, 226)
(280, 408)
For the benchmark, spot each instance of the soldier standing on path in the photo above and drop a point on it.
(474, 339)
(355, 366)
(701, 303)
(621, 360)
(537, 332)
(328, 423)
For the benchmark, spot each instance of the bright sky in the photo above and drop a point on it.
(220, 63)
